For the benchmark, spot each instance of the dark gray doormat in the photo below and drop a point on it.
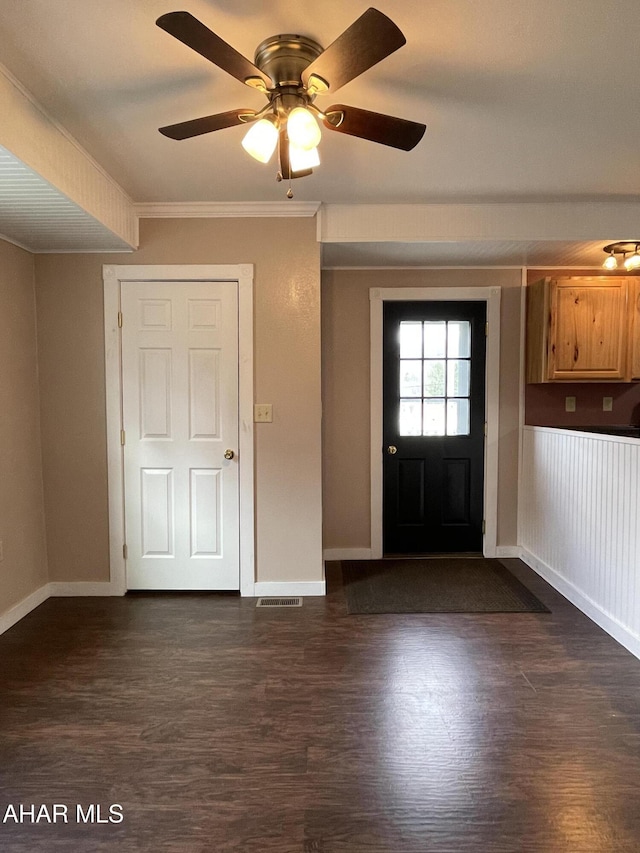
(435, 585)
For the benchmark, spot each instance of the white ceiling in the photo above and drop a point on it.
(523, 101)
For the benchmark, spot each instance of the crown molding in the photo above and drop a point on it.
(224, 209)
(15, 242)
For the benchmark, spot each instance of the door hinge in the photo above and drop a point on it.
(486, 330)
(122, 437)
(486, 428)
(119, 319)
(484, 526)
(125, 552)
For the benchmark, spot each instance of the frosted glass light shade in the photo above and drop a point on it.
(302, 128)
(633, 261)
(303, 158)
(261, 139)
(611, 263)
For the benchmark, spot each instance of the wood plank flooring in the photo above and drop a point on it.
(219, 727)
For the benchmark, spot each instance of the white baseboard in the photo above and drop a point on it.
(366, 553)
(285, 588)
(82, 588)
(508, 551)
(590, 608)
(14, 614)
(346, 554)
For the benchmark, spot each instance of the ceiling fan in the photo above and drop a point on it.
(291, 70)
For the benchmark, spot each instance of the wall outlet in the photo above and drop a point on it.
(607, 404)
(569, 404)
(263, 413)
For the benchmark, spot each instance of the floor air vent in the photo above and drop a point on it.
(279, 602)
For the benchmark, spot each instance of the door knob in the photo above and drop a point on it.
(229, 454)
(392, 449)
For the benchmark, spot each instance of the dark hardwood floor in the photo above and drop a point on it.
(218, 727)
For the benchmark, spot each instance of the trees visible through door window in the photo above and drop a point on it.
(435, 371)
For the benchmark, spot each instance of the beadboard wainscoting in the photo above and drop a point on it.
(578, 523)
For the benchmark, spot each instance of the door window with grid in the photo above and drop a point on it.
(435, 372)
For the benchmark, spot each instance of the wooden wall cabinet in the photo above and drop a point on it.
(583, 330)
(634, 328)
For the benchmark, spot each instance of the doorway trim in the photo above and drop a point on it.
(490, 295)
(113, 277)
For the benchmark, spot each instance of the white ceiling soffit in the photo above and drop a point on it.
(486, 253)
(38, 217)
(407, 223)
(529, 234)
(53, 195)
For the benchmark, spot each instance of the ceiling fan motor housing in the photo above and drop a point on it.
(283, 58)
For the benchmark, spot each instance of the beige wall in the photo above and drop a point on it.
(287, 374)
(346, 399)
(24, 568)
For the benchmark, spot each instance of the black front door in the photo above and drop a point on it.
(433, 426)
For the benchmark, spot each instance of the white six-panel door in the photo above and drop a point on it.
(180, 416)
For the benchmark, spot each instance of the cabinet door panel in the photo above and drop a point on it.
(588, 335)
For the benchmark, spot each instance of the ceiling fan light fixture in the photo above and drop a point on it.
(303, 158)
(261, 139)
(303, 129)
(290, 70)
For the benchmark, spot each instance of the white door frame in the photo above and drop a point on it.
(114, 276)
(490, 295)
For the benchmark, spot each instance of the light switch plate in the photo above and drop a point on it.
(263, 413)
(607, 404)
(569, 404)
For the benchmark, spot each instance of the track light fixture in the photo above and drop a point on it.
(628, 250)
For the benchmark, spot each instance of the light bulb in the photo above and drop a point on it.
(302, 129)
(303, 158)
(611, 263)
(633, 261)
(261, 139)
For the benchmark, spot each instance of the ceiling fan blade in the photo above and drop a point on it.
(285, 166)
(368, 40)
(190, 31)
(206, 124)
(387, 130)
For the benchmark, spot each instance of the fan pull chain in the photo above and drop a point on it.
(280, 177)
